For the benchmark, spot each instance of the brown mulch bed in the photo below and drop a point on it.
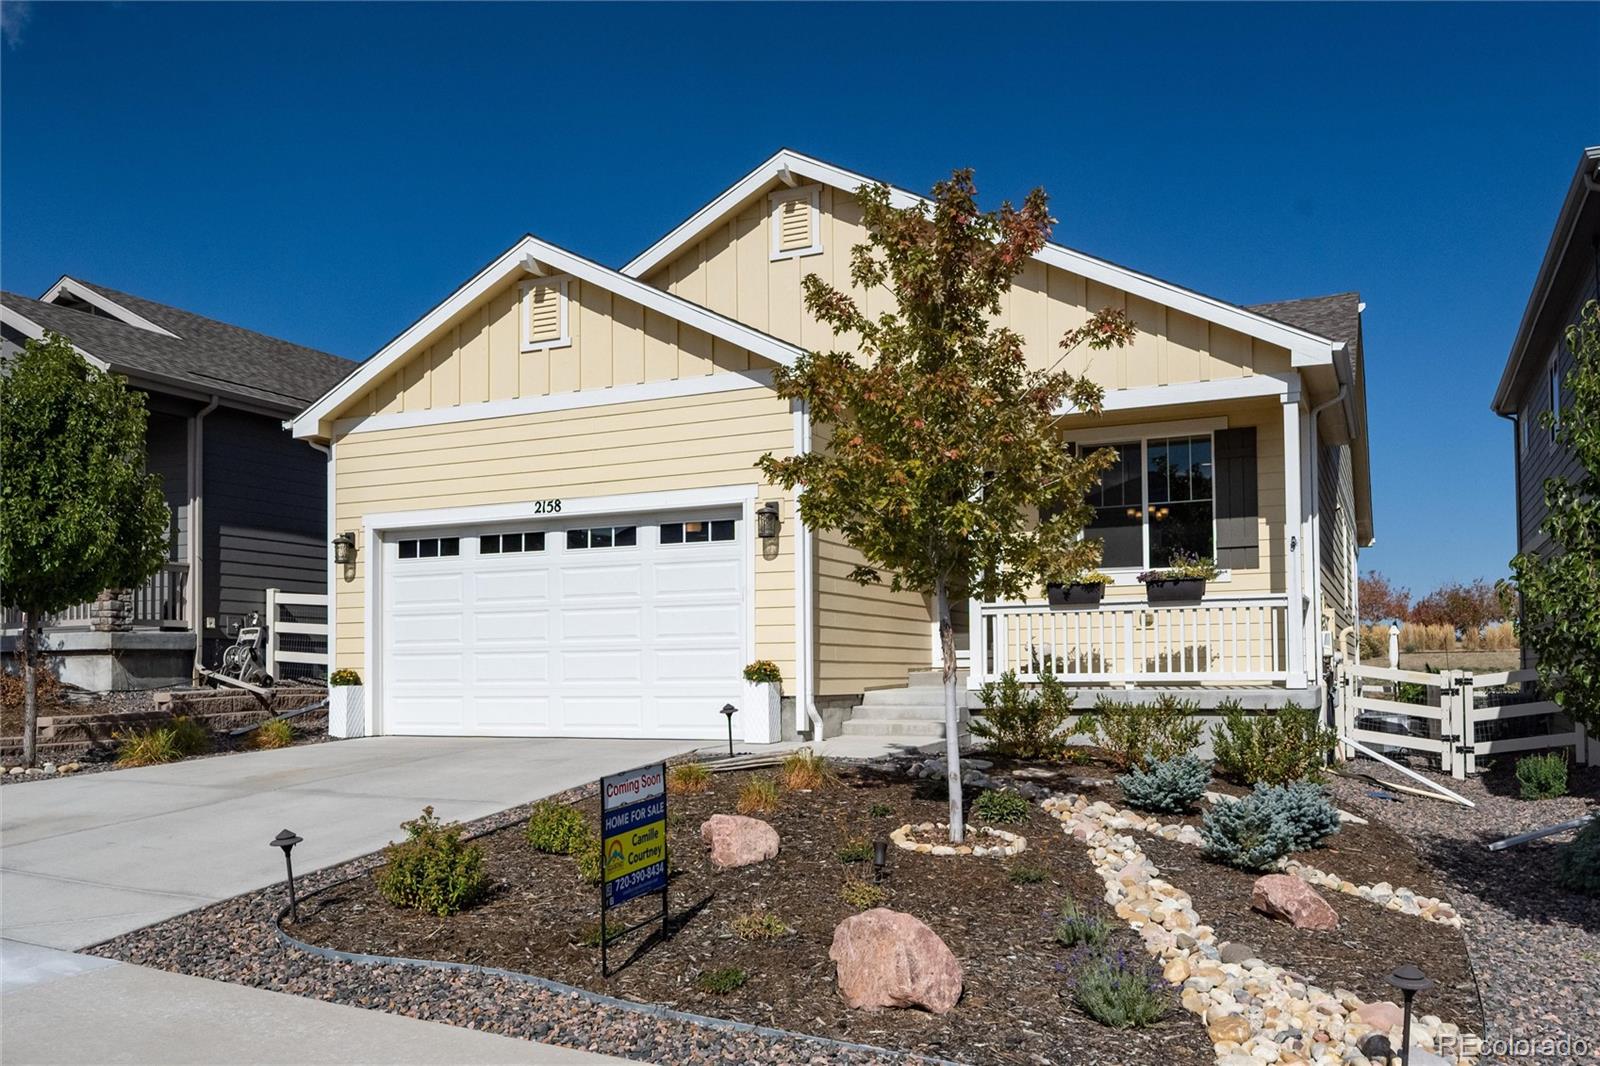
(536, 920)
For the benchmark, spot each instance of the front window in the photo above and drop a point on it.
(1153, 502)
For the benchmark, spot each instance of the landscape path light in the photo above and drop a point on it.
(880, 858)
(1409, 980)
(728, 711)
(287, 840)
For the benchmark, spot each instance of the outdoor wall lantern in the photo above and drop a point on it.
(880, 859)
(767, 520)
(287, 840)
(728, 711)
(344, 549)
(1409, 980)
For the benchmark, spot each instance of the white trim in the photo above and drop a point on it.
(708, 384)
(1295, 553)
(775, 203)
(1305, 348)
(1188, 427)
(525, 310)
(33, 331)
(307, 423)
(105, 303)
(1252, 386)
(376, 525)
(805, 716)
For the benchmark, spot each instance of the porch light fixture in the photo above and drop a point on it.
(767, 520)
(1409, 980)
(287, 840)
(880, 859)
(728, 711)
(344, 548)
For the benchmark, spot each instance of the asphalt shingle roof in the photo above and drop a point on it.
(208, 355)
(1336, 317)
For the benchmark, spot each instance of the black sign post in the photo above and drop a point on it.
(633, 846)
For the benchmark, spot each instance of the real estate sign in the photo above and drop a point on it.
(633, 815)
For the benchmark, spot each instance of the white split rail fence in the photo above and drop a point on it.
(277, 655)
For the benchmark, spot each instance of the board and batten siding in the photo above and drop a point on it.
(731, 271)
(1336, 507)
(477, 356)
(688, 442)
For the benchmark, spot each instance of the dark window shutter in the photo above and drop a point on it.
(1237, 509)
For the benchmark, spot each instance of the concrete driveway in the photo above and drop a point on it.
(83, 859)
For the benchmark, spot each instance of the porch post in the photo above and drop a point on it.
(977, 651)
(1294, 547)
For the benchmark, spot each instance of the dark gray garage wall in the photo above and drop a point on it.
(265, 526)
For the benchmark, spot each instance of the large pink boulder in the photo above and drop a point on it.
(1382, 1015)
(889, 959)
(1287, 897)
(735, 840)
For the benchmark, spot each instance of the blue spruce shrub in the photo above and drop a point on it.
(1245, 834)
(1304, 810)
(1170, 785)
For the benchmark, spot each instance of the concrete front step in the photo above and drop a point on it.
(927, 712)
(909, 697)
(934, 679)
(884, 727)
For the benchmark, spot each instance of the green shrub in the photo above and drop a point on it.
(880, 810)
(1028, 875)
(1303, 809)
(341, 678)
(758, 796)
(1000, 807)
(759, 925)
(1076, 927)
(763, 672)
(1578, 868)
(190, 737)
(1277, 748)
(721, 982)
(1028, 723)
(863, 895)
(1120, 991)
(1170, 785)
(1133, 734)
(1543, 776)
(1244, 834)
(556, 828)
(856, 849)
(587, 856)
(433, 869)
(273, 733)
(688, 779)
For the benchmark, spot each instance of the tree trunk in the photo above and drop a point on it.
(952, 716)
(30, 695)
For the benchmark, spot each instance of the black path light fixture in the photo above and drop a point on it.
(880, 859)
(287, 840)
(728, 711)
(1409, 980)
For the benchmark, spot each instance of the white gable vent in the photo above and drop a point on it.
(797, 222)
(544, 314)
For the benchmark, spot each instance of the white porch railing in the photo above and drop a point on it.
(295, 641)
(160, 603)
(1220, 639)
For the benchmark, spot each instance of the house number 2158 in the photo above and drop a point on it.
(546, 506)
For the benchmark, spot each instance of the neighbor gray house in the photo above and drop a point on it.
(248, 501)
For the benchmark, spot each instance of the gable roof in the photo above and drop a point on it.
(1576, 235)
(1337, 317)
(1306, 347)
(548, 259)
(158, 346)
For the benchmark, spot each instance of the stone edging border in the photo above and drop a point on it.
(1013, 843)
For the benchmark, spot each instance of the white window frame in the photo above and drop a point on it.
(525, 309)
(1098, 437)
(775, 205)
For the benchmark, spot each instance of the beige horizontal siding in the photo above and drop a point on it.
(868, 636)
(647, 446)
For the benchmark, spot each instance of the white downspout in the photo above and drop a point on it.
(805, 545)
(197, 530)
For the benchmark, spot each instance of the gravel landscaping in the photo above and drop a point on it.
(1534, 947)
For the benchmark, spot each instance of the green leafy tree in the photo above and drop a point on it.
(1560, 622)
(941, 449)
(78, 512)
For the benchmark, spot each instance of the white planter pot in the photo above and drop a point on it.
(762, 714)
(347, 711)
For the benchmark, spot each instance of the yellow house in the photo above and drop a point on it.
(557, 528)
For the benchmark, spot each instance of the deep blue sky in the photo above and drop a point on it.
(326, 173)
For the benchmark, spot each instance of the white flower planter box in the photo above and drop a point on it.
(762, 714)
(347, 711)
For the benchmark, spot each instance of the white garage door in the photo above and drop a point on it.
(616, 627)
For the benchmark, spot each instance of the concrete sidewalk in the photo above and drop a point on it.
(65, 1008)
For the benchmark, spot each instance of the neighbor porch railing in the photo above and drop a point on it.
(1220, 639)
(160, 603)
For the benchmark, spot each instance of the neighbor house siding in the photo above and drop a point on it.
(731, 270)
(647, 446)
(1336, 506)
